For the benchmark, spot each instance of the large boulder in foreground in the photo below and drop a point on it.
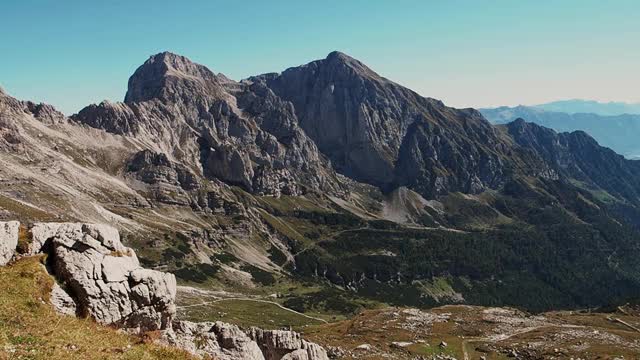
(8, 240)
(228, 342)
(104, 277)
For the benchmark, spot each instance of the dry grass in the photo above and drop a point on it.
(31, 329)
(24, 212)
(120, 253)
(24, 239)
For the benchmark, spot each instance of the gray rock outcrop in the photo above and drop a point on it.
(62, 302)
(105, 277)
(220, 340)
(8, 240)
(167, 181)
(40, 233)
(286, 345)
(45, 113)
(228, 342)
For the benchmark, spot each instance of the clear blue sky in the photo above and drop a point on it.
(467, 53)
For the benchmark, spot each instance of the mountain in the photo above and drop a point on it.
(619, 132)
(589, 106)
(380, 133)
(331, 182)
(239, 133)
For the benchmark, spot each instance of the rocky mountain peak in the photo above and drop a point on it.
(342, 58)
(518, 123)
(166, 74)
(340, 64)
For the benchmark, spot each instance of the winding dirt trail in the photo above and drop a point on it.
(205, 303)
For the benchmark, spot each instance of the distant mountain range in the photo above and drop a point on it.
(619, 132)
(575, 106)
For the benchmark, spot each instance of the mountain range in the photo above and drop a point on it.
(618, 132)
(590, 106)
(331, 175)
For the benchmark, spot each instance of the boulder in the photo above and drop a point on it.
(296, 355)
(8, 240)
(41, 232)
(105, 277)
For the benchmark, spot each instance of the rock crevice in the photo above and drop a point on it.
(8, 241)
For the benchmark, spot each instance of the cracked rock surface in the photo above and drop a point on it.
(105, 277)
(8, 240)
(228, 342)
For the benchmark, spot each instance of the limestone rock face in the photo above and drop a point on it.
(40, 233)
(228, 342)
(105, 276)
(8, 240)
(62, 301)
(115, 118)
(283, 344)
(296, 355)
(10, 137)
(219, 340)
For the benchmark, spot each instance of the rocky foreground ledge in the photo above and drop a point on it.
(99, 277)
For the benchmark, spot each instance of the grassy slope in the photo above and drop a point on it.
(247, 313)
(31, 329)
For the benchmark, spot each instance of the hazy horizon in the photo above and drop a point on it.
(461, 52)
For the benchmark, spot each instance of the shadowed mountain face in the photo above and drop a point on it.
(619, 132)
(578, 156)
(381, 133)
(328, 171)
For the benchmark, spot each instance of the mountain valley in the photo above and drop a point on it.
(327, 193)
